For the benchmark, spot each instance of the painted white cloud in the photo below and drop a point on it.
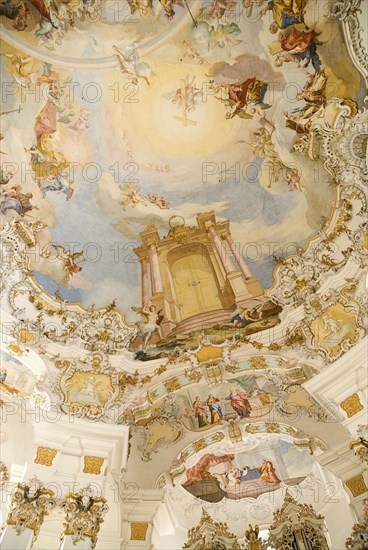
(133, 220)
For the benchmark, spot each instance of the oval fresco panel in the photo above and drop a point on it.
(247, 474)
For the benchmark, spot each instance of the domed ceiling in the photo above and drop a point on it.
(182, 196)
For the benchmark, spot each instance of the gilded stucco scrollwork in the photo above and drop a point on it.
(30, 503)
(45, 456)
(334, 321)
(352, 405)
(210, 534)
(162, 430)
(253, 540)
(349, 13)
(87, 388)
(360, 445)
(94, 329)
(357, 485)
(359, 534)
(297, 521)
(84, 513)
(4, 474)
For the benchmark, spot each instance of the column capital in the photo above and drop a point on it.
(143, 258)
(210, 225)
(84, 513)
(30, 503)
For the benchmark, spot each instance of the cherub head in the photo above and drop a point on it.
(144, 10)
(273, 28)
(279, 61)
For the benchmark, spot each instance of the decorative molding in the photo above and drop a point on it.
(234, 431)
(153, 441)
(252, 434)
(94, 329)
(352, 405)
(87, 388)
(347, 12)
(333, 322)
(138, 531)
(93, 465)
(360, 445)
(288, 398)
(4, 474)
(356, 485)
(300, 276)
(45, 456)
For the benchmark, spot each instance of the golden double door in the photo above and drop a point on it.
(195, 285)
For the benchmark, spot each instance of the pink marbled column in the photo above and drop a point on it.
(225, 260)
(144, 282)
(155, 270)
(241, 263)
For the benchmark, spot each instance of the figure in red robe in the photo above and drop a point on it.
(239, 402)
(300, 46)
(297, 41)
(249, 92)
(268, 472)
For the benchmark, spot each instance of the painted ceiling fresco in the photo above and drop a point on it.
(159, 143)
(184, 229)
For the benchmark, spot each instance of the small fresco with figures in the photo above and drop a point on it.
(247, 474)
(16, 379)
(244, 397)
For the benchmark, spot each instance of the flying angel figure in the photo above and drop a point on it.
(83, 120)
(191, 53)
(130, 65)
(144, 7)
(150, 322)
(132, 196)
(22, 69)
(68, 258)
(168, 6)
(159, 201)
